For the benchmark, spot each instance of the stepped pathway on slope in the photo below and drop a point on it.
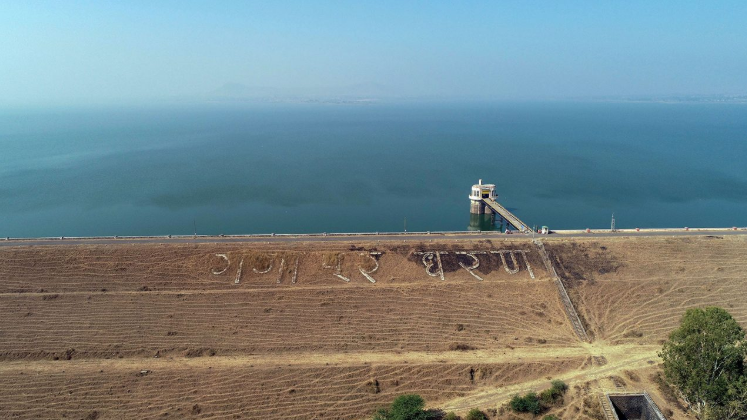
(609, 414)
(570, 310)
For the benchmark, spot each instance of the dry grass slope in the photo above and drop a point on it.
(167, 331)
(636, 289)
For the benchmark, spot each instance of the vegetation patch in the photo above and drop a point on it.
(704, 360)
(535, 404)
(406, 407)
(461, 347)
(476, 414)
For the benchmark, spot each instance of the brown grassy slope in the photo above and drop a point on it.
(637, 289)
(317, 348)
(75, 389)
(166, 300)
(376, 317)
(80, 323)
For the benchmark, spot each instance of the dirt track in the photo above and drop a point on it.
(150, 331)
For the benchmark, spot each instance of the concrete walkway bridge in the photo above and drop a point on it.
(506, 215)
(483, 200)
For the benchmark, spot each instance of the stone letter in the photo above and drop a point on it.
(272, 261)
(238, 273)
(474, 265)
(280, 270)
(514, 261)
(526, 262)
(228, 264)
(367, 274)
(503, 261)
(295, 272)
(337, 267)
(428, 262)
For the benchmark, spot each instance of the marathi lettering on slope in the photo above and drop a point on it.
(284, 267)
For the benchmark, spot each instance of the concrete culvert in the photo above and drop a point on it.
(635, 407)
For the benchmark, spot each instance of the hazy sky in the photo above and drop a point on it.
(70, 52)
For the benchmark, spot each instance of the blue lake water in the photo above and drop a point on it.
(241, 168)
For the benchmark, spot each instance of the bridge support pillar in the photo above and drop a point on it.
(477, 207)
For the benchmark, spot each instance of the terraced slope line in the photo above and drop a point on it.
(570, 310)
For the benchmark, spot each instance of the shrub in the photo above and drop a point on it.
(559, 386)
(451, 416)
(527, 404)
(554, 394)
(533, 403)
(550, 417)
(517, 403)
(476, 414)
(461, 347)
(404, 407)
(381, 414)
(547, 397)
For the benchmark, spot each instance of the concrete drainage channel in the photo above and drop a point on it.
(631, 406)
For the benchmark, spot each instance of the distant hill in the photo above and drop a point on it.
(239, 91)
(357, 93)
(734, 99)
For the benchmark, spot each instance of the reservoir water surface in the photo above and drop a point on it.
(295, 168)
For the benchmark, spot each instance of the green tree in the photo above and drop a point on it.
(704, 359)
(736, 406)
